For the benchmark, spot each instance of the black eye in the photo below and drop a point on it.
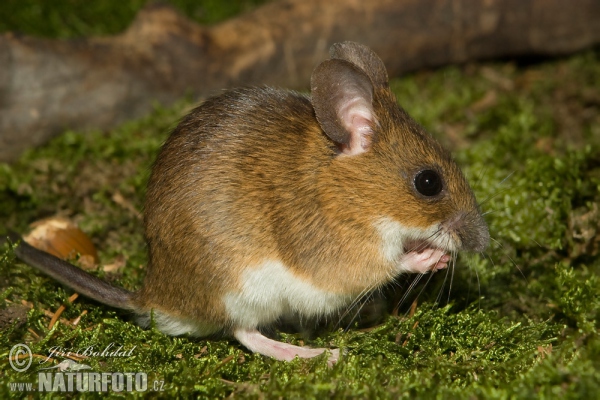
(428, 183)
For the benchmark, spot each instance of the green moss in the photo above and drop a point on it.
(519, 321)
(77, 18)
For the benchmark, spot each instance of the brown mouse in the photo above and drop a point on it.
(266, 203)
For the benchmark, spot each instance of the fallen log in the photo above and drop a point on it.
(48, 86)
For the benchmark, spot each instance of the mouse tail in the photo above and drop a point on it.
(82, 282)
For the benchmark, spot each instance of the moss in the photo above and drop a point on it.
(77, 18)
(519, 321)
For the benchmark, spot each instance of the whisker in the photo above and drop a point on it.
(453, 267)
(361, 299)
(491, 260)
(469, 285)
(480, 177)
(420, 292)
(409, 290)
(536, 242)
(517, 267)
(510, 258)
(500, 245)
(490, 197)
(358, 310)
(499, 209)
(479, 286)
(352, 305)
(423, 244)
(493, 196)
(507, 177)
(439, 296)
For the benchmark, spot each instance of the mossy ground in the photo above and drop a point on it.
(520, 321)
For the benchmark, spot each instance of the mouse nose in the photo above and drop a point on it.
(471, 229)
(477, 236)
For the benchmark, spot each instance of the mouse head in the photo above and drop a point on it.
(387, 164)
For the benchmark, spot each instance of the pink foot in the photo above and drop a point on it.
(257, 343)
(425, 261)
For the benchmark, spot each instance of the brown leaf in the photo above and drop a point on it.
(62, 238)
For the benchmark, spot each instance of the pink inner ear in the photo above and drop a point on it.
(356, 116)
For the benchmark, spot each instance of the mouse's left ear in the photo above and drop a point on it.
(342, 96)
(364, 58)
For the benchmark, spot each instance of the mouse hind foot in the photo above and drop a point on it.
(256, 342)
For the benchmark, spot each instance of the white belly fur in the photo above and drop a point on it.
(271, 291)
(176, 326)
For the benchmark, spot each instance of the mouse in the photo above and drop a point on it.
(266, 203)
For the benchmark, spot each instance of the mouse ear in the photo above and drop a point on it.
(342, 96)
(364, 58)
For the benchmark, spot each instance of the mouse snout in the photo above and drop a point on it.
(472, 230)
